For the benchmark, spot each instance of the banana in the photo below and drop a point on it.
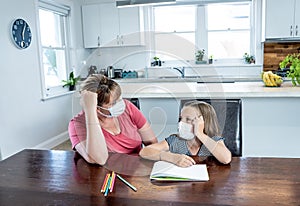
(270, 79)
(266, 79)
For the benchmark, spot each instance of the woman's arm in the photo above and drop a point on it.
(153, 151)
(160, 151)
(95, 145)
(147, 134)
(216, 148)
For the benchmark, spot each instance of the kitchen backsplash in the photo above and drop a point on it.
(274, 53)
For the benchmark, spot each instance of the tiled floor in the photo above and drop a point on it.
(63, 146)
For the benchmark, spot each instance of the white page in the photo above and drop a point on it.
(195, 172)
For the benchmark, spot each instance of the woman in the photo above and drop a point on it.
(107, 123)
(198, 135)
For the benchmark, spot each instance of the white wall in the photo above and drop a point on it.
(25, 120)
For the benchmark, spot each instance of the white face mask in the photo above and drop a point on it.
(115, 110)
(185, 131)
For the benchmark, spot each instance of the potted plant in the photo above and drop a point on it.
(292, 61)
(249, 59)
(71, 82)
(210, 59)
(156, 62)
(199, 56)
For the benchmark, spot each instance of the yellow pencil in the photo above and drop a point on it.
(112, 182)
(105, 182)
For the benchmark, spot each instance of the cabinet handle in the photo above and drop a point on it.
(296, 30)
(118, 40)
(291, 31)
(122, 42)
(98, 40)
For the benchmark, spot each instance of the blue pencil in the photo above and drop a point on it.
(107, 187)
(127, 183)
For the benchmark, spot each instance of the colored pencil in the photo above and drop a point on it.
(107, 186)
(127, 183)
(105, 182)
(113, 178)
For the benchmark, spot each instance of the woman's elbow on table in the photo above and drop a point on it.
(101, 159)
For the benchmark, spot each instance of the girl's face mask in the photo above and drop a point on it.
(116, 110)
(185, 130)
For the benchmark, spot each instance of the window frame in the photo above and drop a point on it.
(64, 11)
(202, 30)
(159, 53)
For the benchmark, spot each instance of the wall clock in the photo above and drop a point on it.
(21, 33)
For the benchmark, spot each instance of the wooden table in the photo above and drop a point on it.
(42, 177)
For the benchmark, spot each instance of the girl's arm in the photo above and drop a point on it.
(160, 151)
(216, 148)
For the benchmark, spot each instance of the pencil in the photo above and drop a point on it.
(112, 183)
(127, 183)
(107, 186)
(105, 182)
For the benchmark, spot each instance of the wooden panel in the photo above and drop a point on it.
(274, 53)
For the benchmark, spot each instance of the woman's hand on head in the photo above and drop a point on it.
(88, 100)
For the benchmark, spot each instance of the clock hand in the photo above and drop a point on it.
(23, 32)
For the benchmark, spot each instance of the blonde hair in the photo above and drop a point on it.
(103, 86)
(211, 124)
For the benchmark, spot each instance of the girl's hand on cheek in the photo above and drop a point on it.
(198, 126)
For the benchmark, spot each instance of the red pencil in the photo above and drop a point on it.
(105, 182)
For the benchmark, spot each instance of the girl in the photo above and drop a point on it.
(198, 135)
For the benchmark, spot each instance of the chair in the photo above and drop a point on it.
(230, 119)
(135, 101)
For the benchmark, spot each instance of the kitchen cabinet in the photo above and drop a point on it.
(91, 26)
(105, 25)
(282, 18)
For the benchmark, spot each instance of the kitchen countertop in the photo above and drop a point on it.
(181, 89)
(206, 79)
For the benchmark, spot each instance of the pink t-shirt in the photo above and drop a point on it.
(128, 141)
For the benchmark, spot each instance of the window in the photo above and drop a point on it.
(222, 29)
(175, 24)
(228, 28)
(53, 24)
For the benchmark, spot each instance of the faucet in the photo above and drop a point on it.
(181, 71)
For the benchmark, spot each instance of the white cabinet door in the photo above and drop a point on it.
(91, 26)
(279, 19)
(129, 24)
(109, 19)
(297, 19)
(104, 25)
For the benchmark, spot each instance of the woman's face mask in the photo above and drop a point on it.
(185, 130)
(116, 110)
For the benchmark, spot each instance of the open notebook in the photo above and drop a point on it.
(165, 171)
